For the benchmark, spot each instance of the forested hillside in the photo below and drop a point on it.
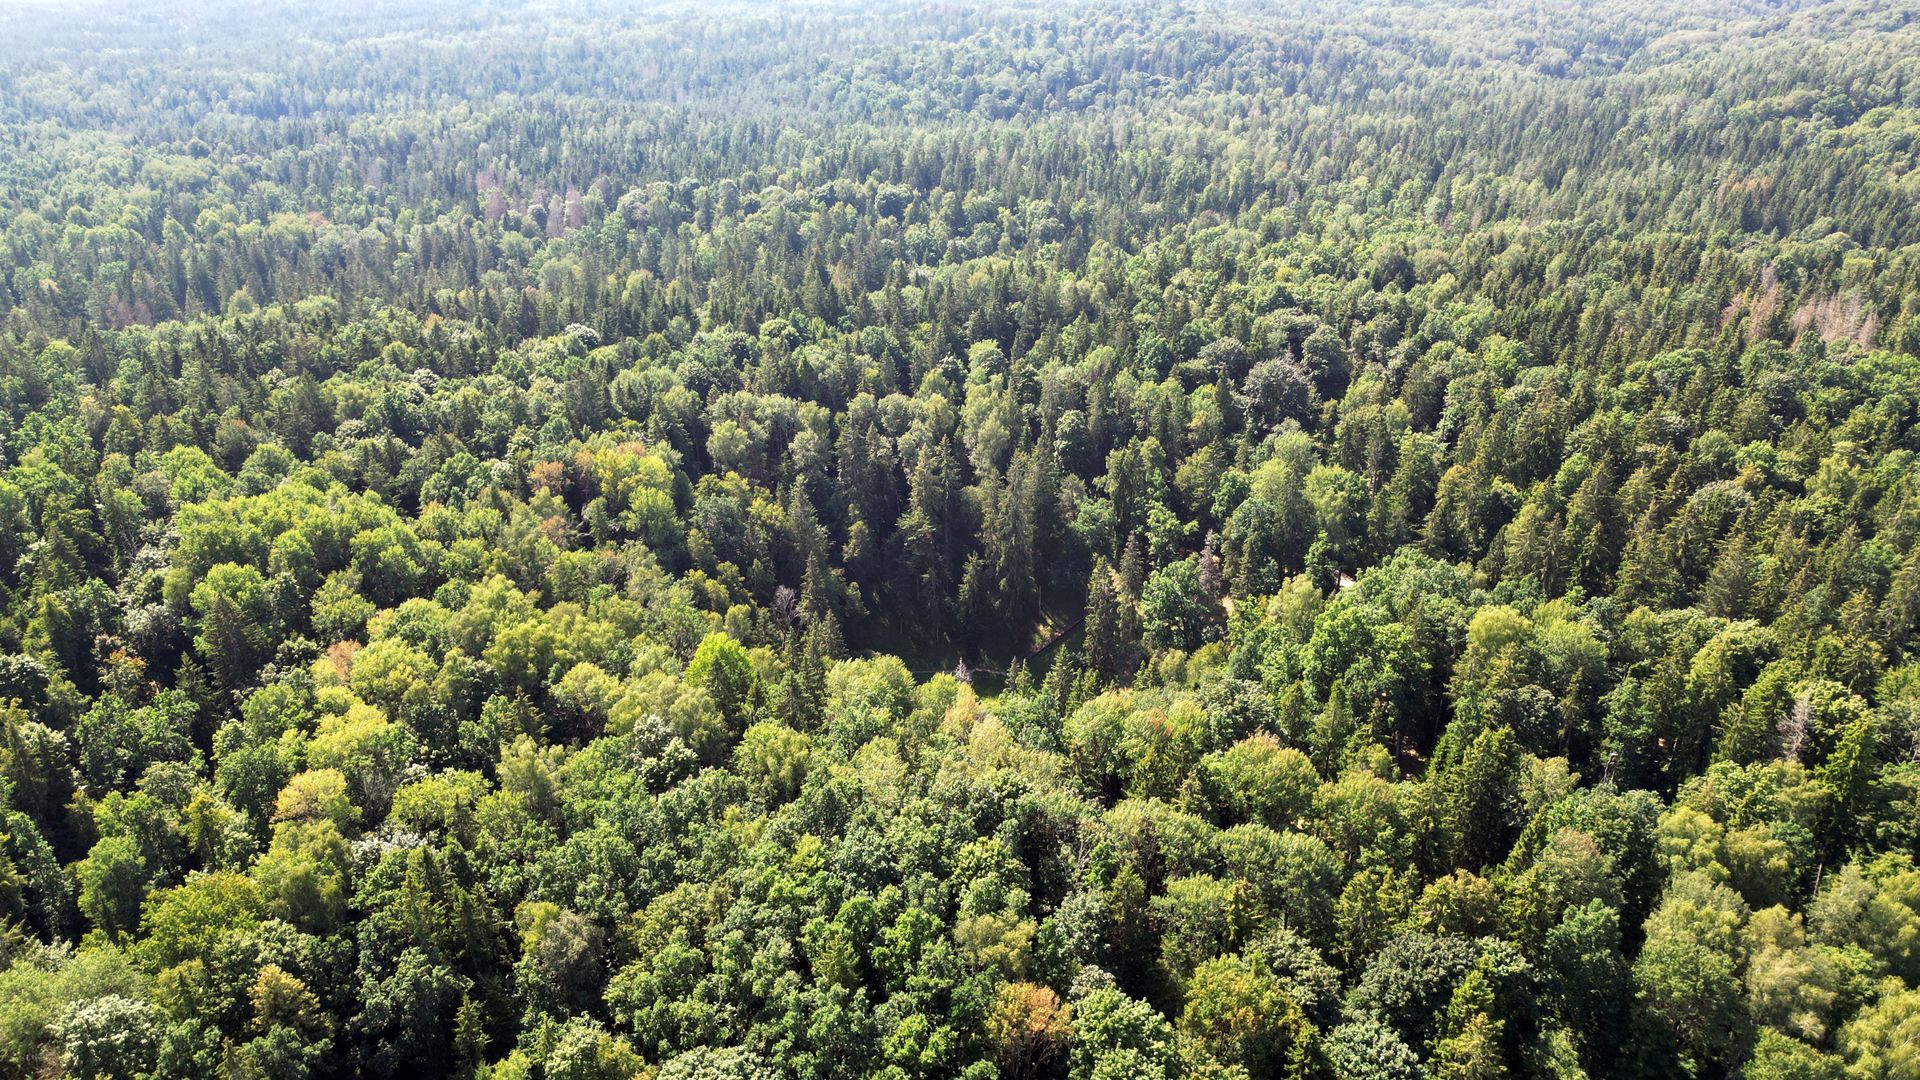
(1099, 540)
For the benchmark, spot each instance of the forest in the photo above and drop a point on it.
(1086, 540)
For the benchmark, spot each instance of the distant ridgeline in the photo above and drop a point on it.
(1089, 540)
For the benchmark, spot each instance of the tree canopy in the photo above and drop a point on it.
(1091, 540)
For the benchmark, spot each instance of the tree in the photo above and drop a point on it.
(1587, 975)
(111, 1036)
(1881, 1040)
(724, 670)
(187, 922)
(406, 1018)
(1481, 796)
(1032, 1029)
(233, 622)
(1117, 1035)
(1325, 357)
(775, 758)
(1367, 1049)
(1409, 982)
(117, 741)
(733, 1063)
(1174, 612)
(1108, 647)
(1790, 986)
(1777, 1057)
(303, 875)
(1687, 979)
(1468, 1047)
(1874, 908)
(1258, 779)
(113, 883)
(562, 966)
(1243, 1017)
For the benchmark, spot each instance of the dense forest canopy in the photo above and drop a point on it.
(1089, 540)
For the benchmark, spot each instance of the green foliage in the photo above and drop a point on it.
(1101, 541)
